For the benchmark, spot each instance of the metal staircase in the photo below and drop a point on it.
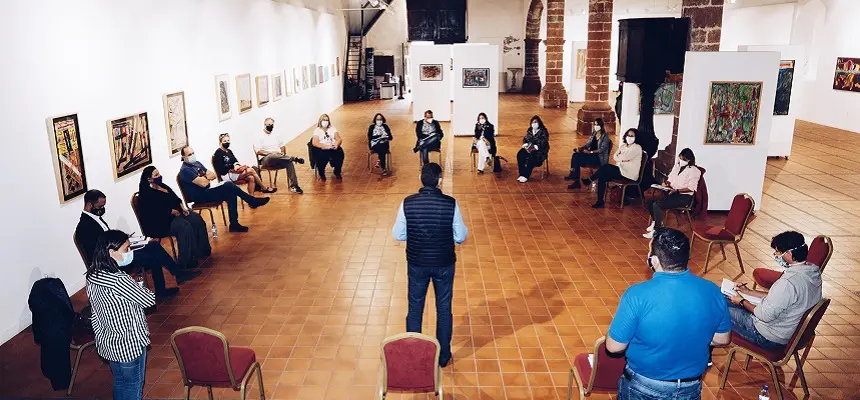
(354, 58)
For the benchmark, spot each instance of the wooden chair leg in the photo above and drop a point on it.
(729, 360)
(806, 352)
(642, 197)
(689, 219)
(172, 246)
(723, 249)
(211, 397)
(223, 215)
(692, 240)
(187, 392)
(275, 185)
(747, 362)
(78, 355)
(623, 194)
(570, 384)
(775, 377)
(708, 256)
(800, 374)
(260, 382)
(211, 215)
(738, 251)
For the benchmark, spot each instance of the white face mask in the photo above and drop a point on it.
(535, 126)
(429, 120)
(127, 258)
(596, 128)
(630, 139)
(324, 124)
(379, 122)
(482, 121)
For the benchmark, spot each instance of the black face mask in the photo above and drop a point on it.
(98, 211)
(226, 145)
(270, 128)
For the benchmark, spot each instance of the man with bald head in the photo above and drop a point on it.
(273, 151)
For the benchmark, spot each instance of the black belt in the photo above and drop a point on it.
(685, 380)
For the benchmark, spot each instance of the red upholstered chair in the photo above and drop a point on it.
(81, 340)
(801, 340)
(820, 252)
(207, 359)
(589, 378)
(410, 363)
(731, 232)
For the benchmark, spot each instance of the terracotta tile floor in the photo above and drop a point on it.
(319, 282)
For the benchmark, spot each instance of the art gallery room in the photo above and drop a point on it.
(249, 199)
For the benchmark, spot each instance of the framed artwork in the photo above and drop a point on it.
(783, 87)
(174, 118)
(430, 72)
(297, 82)
(581, 63)
(733, 113)
(476, 77)
(321, 74)
(68, 158)
(243, 93)
(130, 147)
(314, 76)
(221, 90)
(305, 80)
(664, 99)
(847, 76)
(277, 86)
(338, 66)
(331, 71)
(262, 90)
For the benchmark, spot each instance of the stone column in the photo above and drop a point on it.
(553, 95)
(597, 75)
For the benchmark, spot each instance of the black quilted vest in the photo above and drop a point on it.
(429, 228)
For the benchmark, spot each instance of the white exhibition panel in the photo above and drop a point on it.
(731, 169)
(782, 130)
(431, 95)
(576, 87)
(468, 102)
(663, 123)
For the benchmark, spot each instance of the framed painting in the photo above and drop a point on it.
(130, 146)
(847, 76)
(262, 83)
(174, 118)
(313, 74)
(321, 74)
(664, 99)
(297, 81)
(430, 72)
(476, 77)
(243, 93)
(67, 156)
(733, 113)
(581, 63)
(221, 90)
(305, 79)
(277, 86)
(783, 87)
(338, 66)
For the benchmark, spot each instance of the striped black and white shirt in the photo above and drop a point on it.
(119, 323)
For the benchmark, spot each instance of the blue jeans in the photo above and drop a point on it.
(632, 386)
(443, 288)
(742, 324)
(128, 378)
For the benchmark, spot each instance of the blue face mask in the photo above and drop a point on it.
(127, 258)
(781, 261)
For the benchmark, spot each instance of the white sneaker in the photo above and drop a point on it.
(522, 179)
(648, 235)
(650, 228)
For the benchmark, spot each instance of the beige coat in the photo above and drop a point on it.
(629, 160)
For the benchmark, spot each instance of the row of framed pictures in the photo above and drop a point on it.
(472, 77)
(283, 84)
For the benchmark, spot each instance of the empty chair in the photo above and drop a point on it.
(410, 363)
(732, 231)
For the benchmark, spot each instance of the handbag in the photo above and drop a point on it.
(654, 194)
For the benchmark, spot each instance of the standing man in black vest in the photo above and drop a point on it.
(431, 224)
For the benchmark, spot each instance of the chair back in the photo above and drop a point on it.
(739, 215)
(606, 370)
(805, 331)
(820, 251)
(642, 167)
(135, 204)
(217, 175)
(80, 249)
(410, 362)
(182, 190)
(203, 356)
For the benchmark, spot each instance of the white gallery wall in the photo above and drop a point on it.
(469, 101)
(491, 21)
(431, 95)
(389, 33)
(105, 59)
(765, 25)
(663, 123)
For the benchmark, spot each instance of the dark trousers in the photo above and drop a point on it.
(229, 192)
(579, 160)
(443, 288)
(381, 150)
(333, 157)
(192, 238)
(152, 257)
(658, 208)
(528, 161)
(603, 175)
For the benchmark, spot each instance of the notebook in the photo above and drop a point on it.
(728, 289)
(661, 187)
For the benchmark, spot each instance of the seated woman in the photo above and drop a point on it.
(629, 159)
(429, 134)
(484, 141)
(595, 153)
(163, 214)
(535, 149)
(230, 170)
(326, 147)
(680, 186)
(378, 136)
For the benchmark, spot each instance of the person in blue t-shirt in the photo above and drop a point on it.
(667, 325)
(194, 180)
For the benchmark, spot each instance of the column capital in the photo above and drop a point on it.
(554, 41)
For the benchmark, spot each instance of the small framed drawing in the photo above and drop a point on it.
(277, 86)
(130, 144)
(221, 90)
(262, 83)
(476, 77)
(243, 93)
(321, 74)
(68, 158)
(313, 74)
(430, 72)
(174, 117)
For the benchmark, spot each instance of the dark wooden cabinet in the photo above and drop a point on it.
(440, 21)
(648, 47)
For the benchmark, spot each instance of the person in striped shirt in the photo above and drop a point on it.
(119, 323)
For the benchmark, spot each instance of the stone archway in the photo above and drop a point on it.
(531, 79)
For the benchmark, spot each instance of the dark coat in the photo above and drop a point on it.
(700, 198)
(53, 318)
(86, 233)
(541, 140)
(370, 133)
(489, 132)
(155, 209)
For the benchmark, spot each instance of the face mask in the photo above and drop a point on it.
(324, 124)
(127, 258)
(226, 145)
(781, 261)
(650, 263)
(379, 122)
(269, 128)
(596, 128)
(429, 120)
(630, 139)
(98, 211)
(191, 159)
(535, 126)
(157, 181)
(482, 121)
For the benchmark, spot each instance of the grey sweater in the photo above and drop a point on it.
(779, 314)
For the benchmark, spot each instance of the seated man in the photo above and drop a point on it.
(151, 257)
(273, 151)
(772, 323)
(195, 181)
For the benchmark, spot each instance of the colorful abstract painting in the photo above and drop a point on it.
(68, 157)
(581, 63)
(243, 93)
(664, 99)
(784, 82)
(476, 77)
(733, 112)
(221, 88)
(430, 72)
(847, 74)
(130, 147)
(174, 116)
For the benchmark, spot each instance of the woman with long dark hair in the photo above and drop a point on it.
(378, 136)
(119, 323)
(595, 153)
(629, 164)
(484, 141)
(163, 214)
(535, 149)
(680, 186)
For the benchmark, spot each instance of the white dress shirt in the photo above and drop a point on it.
(270, 143)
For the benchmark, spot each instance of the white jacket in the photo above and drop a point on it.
(629, 160)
